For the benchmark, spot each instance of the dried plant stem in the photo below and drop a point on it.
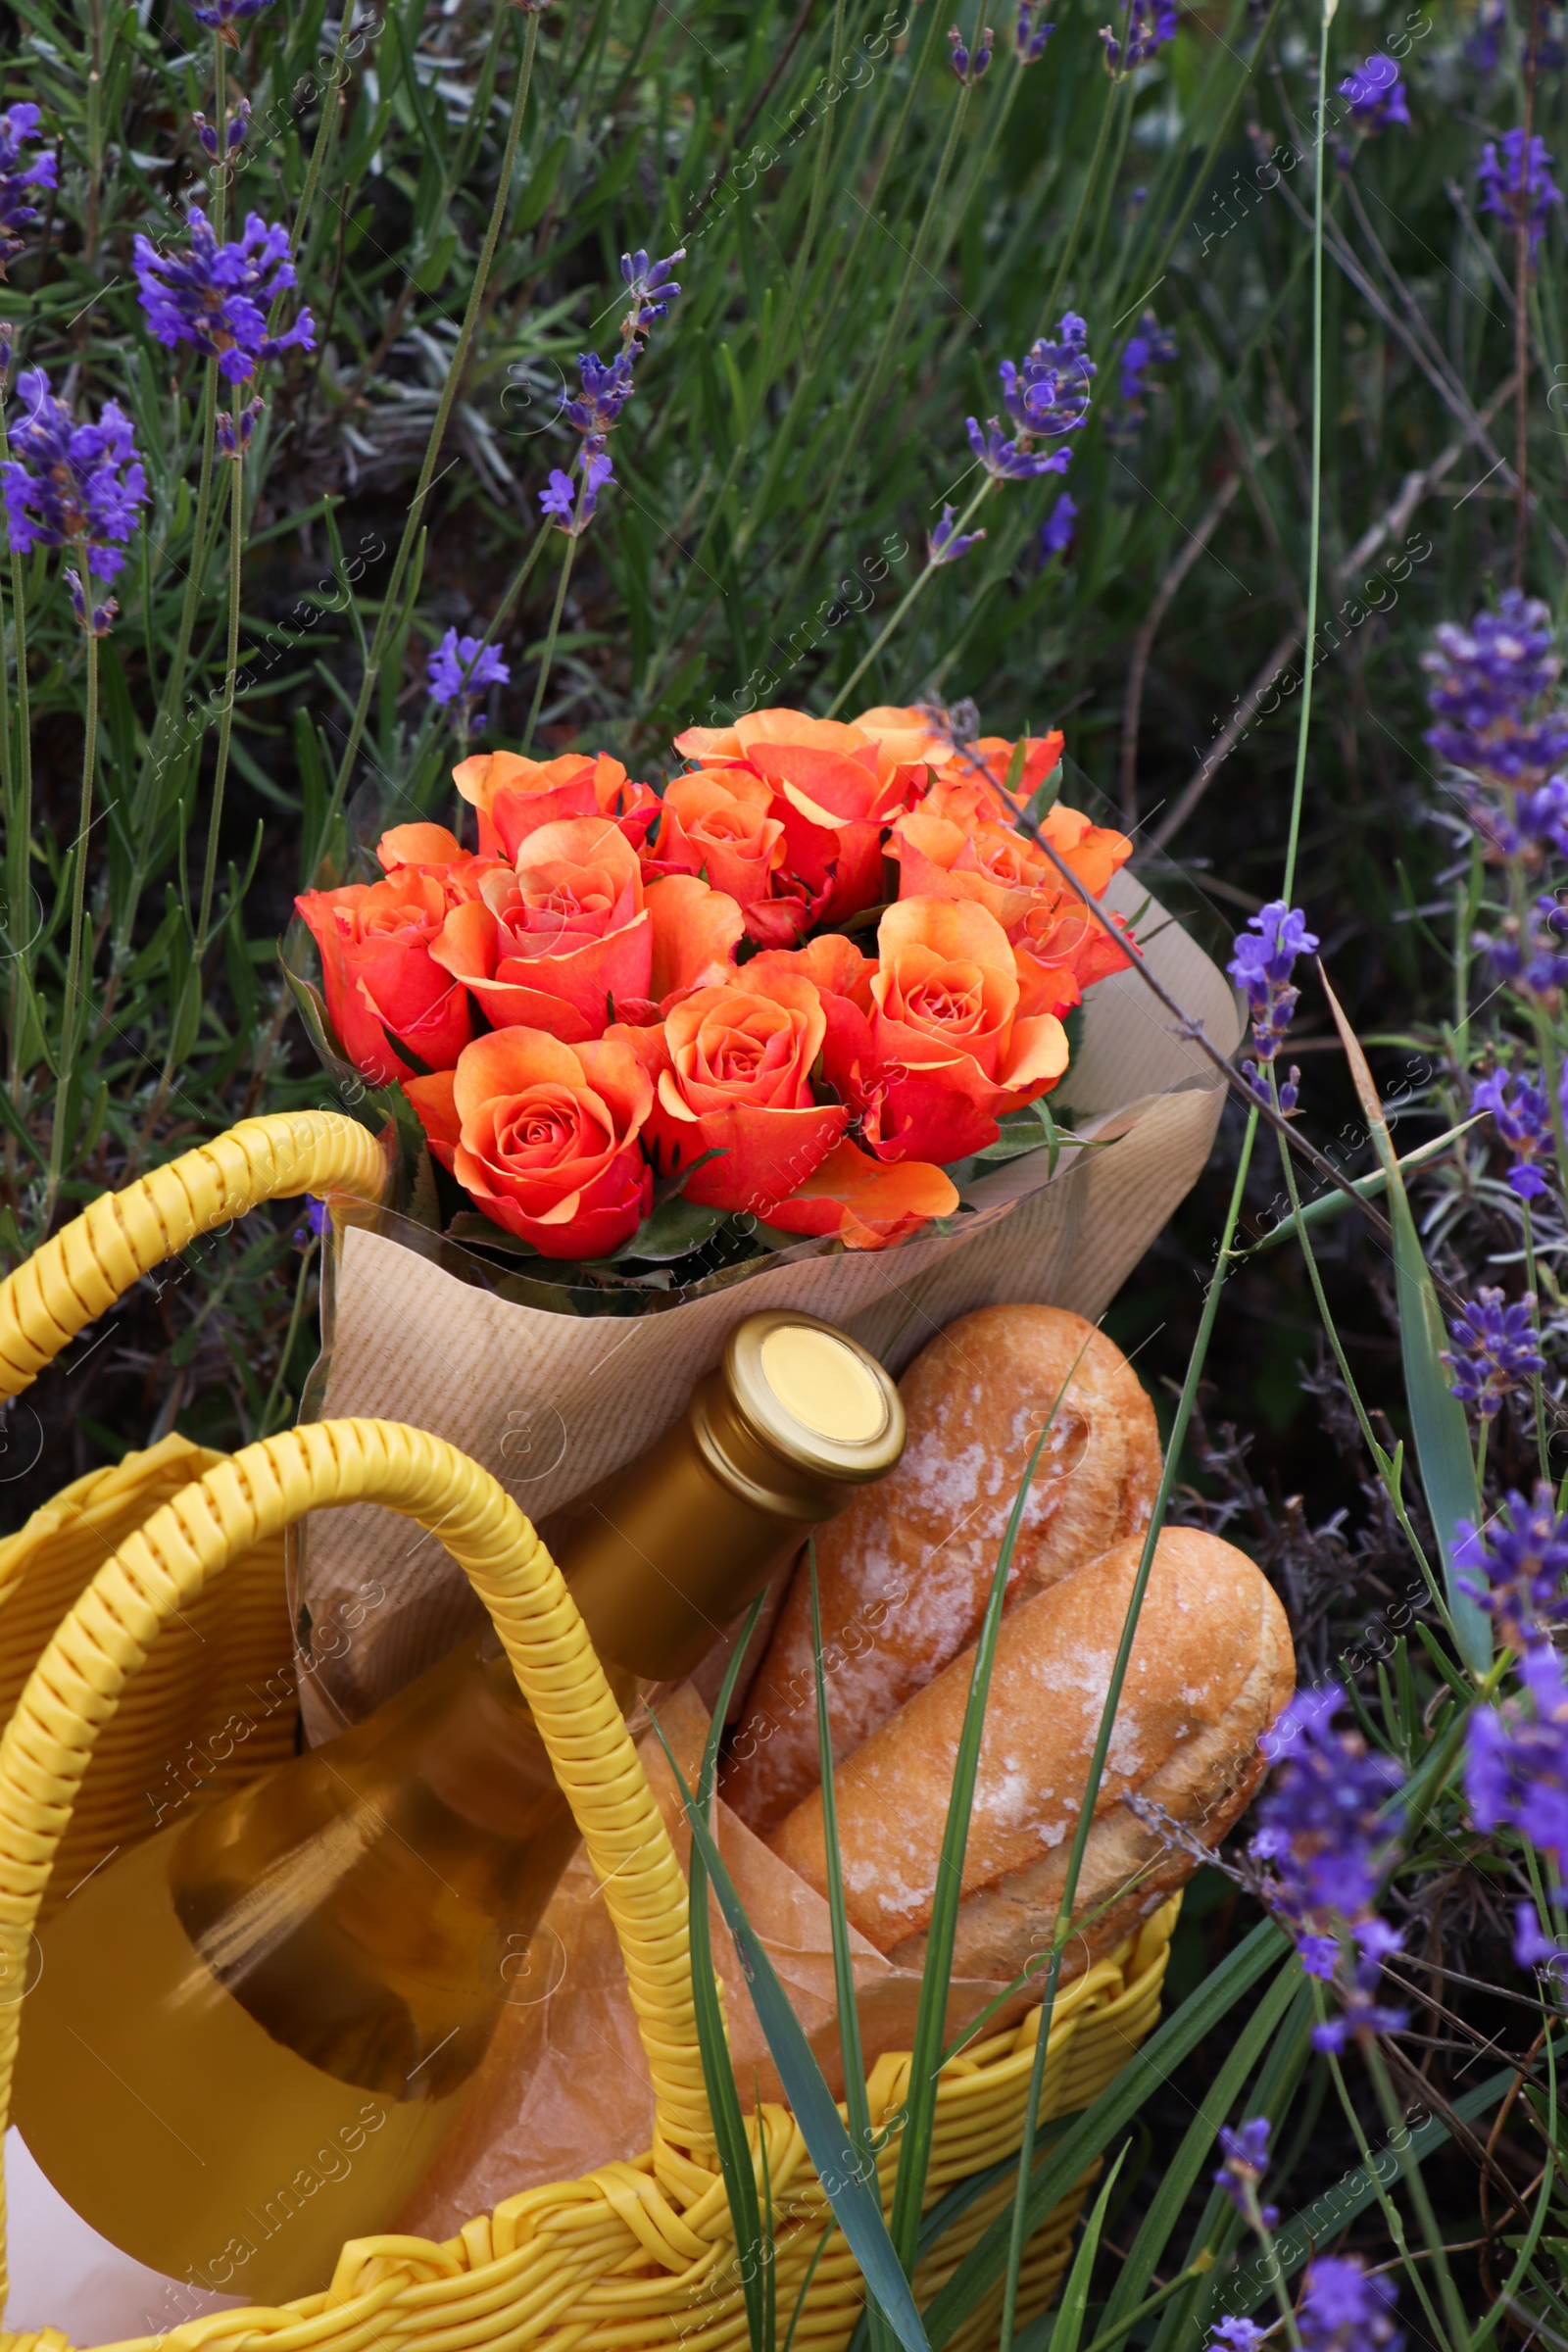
(386, 620)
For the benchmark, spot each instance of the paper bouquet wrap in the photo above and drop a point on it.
(819, 1026)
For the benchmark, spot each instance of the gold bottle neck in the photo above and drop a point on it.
(774, 1441)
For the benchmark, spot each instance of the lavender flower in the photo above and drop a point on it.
(1327, 1827)
(968, 66)
(1237, 2335)
(73, 485)
(224, 14)
(947, 542)
(1523, 1116)
(1150, 346)
(1496, 1348)
(1241, 2175)
(1376, 94)
(20, 174)
(1360, 2010)
(461, 670)
(1056, 533)
(1533, 1947)
(1517, 1564)
(1344, 2310)
(1030, 38)
(561, 501)
(317, 1216)
(1046, 397)
(1261, 968)
(215, 296)
(1150, 24)
(605, 392)
(651, 290)
(229, 444)
(1516, 1762)
(1520, 187)
(1532, 957)
(239, 122)
(1486, 679)
(1523, 822)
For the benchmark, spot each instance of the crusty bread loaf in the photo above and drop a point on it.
(904, 1574)
(1212, 1667)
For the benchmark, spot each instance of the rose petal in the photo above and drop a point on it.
(867, 1203)
(696, 931)
(418, 844)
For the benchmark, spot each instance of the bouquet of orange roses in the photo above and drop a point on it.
(798, 991)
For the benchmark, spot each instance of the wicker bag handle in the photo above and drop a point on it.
(159, 1570)
(75, 1277)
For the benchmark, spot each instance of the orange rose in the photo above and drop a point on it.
(834, 791)
(841, 977)
(433, 850)
(736, 1079)
(560, 940)
(375, 939)
(716, 825)
(1061, 949)
(987, 862)
(544, 1136)
(515, 796)
(994, 753)
(954, 1049)
(906, 736)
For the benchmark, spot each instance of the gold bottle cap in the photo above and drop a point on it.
(813, 1398)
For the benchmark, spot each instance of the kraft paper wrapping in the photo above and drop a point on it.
(565, 2086)
(552, 1401)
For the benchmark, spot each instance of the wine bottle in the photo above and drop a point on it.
(251, 2034)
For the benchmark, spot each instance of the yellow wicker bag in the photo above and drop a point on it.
(102, 1695)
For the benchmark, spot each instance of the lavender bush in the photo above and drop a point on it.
(382, 382)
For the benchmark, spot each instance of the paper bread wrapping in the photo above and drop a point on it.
(552, 1401)
(565, 2086)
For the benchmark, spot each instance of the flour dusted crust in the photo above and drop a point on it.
(904, 1574)
(1212, 1667)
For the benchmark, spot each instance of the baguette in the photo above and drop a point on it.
(905, 1573)
(1210, 1669)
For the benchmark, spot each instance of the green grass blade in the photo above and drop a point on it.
(1283, 1996)
(857, 2109)
(1092, 2132)
(1298, 2239)
(1442, 1432)
(931, 2017)
(753, 2254)
(839, 2166)
(1067, 2332)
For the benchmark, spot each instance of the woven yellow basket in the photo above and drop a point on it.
(111, 1594)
